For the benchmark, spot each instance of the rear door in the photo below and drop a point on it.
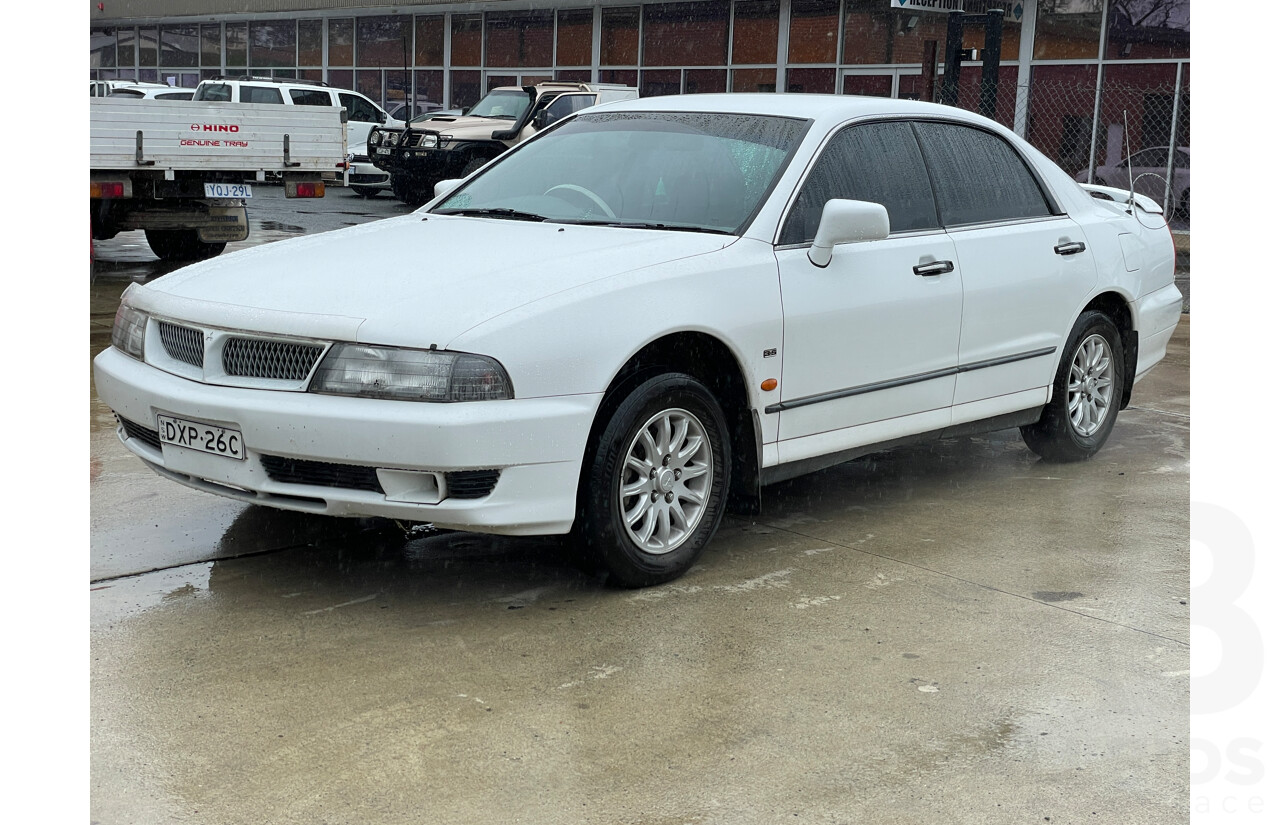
(1026, 267)
(872, 336)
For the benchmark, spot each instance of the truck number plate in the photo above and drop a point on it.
(228, 190)
(196, 435)
(383, 151)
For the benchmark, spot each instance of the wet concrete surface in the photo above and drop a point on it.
(947, 633)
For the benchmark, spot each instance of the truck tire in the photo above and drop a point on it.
(366, 191)
(182, 245)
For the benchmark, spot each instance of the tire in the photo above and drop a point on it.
(365, 191)
(182, 245)
(645, 528)
(1086, 393)
(473, 165)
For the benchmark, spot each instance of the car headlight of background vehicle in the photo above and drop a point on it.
(129, 331)
(410, 374)
(375, 138)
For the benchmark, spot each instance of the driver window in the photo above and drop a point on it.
(359, 109)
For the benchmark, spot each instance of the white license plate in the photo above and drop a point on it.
(228, 190)
(196, 435)
(383, 151)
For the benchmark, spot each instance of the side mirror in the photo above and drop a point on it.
(542, 120)
(444, 187)
(845, 221)
(382, 117)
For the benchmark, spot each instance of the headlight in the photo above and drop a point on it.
(375, 138)
(428, 142)
(129, 331)
(410, 374)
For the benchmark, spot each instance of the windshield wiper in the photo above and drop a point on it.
(645, 225)
(496, 212)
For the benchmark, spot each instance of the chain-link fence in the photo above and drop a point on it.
(1122, 133)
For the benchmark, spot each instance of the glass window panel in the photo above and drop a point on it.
(620, 36)
(875, 33)
(755, 80)
(493, 81)
(534, 79)
(755, 31)
(428, 42)
(465, 44)
(397, 87)
(430, 86)
(811, 81)
(516, 39)
(180, 46)
(573, 37)
(342, 38)
(626, 77)
(659, 82)
(1149, 29)
(310, 42)
(273, 43)
(369, 83)
(383, 41)
(574, 75)
(209, 74)
(342, 78)
(148, 46)
(878, 162)
(126, 47)
(701, 81)
(464, 88)
(978, 177)
(686, 34)
(814, 32)
(102, 48)
(211, 45)
(1068, 29)
(238, 44)
(870, 85)
(148, 76)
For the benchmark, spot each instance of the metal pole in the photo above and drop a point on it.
(784, 31)
(1173, 140)
(991, 63)
(1097, 94)
(950, 95)
(1026, 47)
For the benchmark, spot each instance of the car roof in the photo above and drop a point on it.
(818, 107)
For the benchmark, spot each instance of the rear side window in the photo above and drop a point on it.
(260, 94)
(213, 91)
(174, 96)
(877, 162)
(978, 177)
(310, 97)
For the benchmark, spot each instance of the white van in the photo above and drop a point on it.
(362, 113)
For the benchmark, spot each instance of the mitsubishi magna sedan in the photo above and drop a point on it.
(649, 312)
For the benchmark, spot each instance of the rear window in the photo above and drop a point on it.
(310, 97)
(125, 93)
(213, 91)
(260, 94)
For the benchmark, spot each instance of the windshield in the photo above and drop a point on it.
(507, 105)
(668, 170)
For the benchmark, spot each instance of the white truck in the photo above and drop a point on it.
(181, 170)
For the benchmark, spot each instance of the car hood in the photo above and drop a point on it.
(370, 284)
(468, 127)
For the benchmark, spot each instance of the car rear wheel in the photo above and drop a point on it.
(654, 489)
(365, 191)
(1086, 393)
(182, 245)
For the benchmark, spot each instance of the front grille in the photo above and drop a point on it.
(183, 343)
(471, 483)
(256, 358)
(321, 474)
(134, 430)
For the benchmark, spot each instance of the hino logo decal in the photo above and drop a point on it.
(214, 127)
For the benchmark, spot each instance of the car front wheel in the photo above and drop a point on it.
(654, 491)
(1086, 393)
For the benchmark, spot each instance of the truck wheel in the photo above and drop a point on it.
(182, 245)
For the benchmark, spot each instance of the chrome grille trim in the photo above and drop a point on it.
(183, 343)
(263, 358)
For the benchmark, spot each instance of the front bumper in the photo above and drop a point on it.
(426, 164)
(364, 174)
(537, 445)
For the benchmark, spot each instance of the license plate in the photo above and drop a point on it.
(228, 190)
(196, 435)
(383, 151)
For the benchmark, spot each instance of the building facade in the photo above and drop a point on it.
(1071, 71)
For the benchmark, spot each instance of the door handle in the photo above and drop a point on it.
(935, 268)
(1069, 248)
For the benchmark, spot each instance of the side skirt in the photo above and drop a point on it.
(794, 469)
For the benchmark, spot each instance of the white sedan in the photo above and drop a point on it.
(648, 313)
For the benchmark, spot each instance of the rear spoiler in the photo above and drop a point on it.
(1110, 193)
